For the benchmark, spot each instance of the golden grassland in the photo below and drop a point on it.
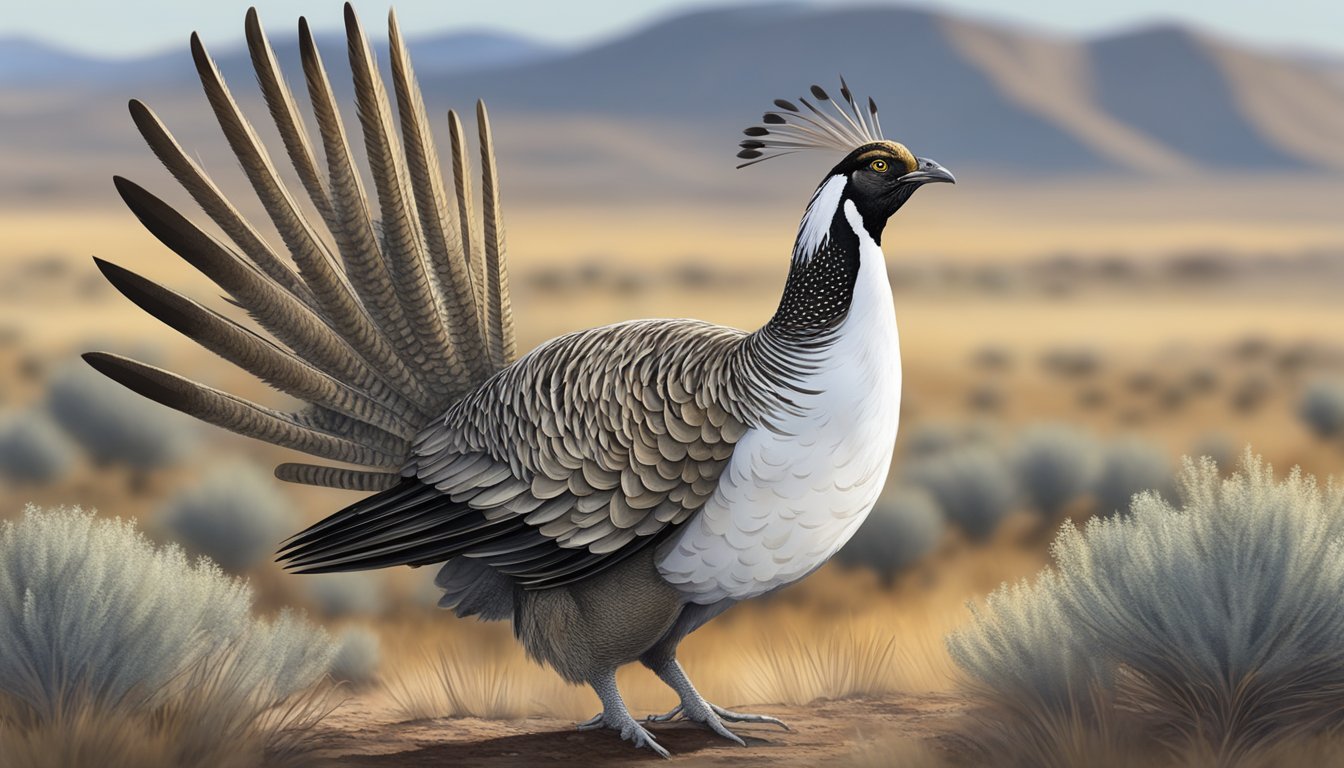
(841, 632)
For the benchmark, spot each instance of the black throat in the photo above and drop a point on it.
(820, 287)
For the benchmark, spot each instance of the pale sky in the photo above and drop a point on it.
(130, 27)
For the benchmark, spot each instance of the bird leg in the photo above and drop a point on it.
(693, 706)
(616, 717)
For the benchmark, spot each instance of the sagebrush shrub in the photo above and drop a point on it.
(94, 617)
(904, 527)
(1072, 362)
(357, 656)
(972, 485)
(236, 516)
(112, 424)
(1129, 466)
(1217, 623)
(32, 450)
(930, 438)
(1322, 408)
(1055, 465)
(345, 594)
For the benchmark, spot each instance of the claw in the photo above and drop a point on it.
(592, 723)
(673, 714)
(701, 712)
(716, 725)
(738, 717)
(629, 730)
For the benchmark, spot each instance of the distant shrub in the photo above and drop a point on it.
(904, 527)
(97, 623)
(1202, 381)
(1251, 348)
(930, 438)
(972, 486)
(1322, 408)
(1296, 359)
(1093, 398)
(32, 450)
(236, 516)
(1071, 362)
(985, 398)
(1129, 466)
(338, 595)
(992, 357)
(1217, 624)
(1250, 393)
(112, 424)
(357, 656)
(1055, 464)
(1142, 382)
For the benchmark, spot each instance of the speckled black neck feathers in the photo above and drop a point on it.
(820, 286)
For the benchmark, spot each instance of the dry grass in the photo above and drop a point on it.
(839, 634)
(202, 729)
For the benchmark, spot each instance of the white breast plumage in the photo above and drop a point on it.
(792, 496)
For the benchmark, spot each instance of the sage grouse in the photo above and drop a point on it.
(610, 491)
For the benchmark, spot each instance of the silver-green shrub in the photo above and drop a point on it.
(337, 595)
(32, 450)
(1055, 465)
(112, 424)
(1218, 622)
(1129, 465)
(903, 528)
(1322, 408)
(236, 516)
(972, 485)
(357, 656)
(92, 611)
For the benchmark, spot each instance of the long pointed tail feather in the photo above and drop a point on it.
(404, 316)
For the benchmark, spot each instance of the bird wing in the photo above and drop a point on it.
(379, 318)
(581, 454)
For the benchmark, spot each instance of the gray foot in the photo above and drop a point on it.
(614, 716)
(712, 716)
(694, 708)
(622, 723)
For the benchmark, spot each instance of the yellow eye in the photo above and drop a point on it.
(878, 165)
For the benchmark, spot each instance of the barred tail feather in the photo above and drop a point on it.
(378, 335)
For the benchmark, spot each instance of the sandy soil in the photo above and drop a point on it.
(363, 733)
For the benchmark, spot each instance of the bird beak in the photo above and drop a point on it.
(928, 172)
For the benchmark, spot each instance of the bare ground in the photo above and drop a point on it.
(831, 733)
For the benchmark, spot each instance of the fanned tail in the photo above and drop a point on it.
(405, 316)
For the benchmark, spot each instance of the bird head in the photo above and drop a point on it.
(882, 175)
(879, 175)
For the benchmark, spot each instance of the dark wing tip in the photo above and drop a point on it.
(144, 293)
(786, 104)
(818, 92)
(126, 187)
(135, 377)
(770, 118)
(749, 154)
(756, 130)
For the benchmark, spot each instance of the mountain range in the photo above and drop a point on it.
(1009, 100)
